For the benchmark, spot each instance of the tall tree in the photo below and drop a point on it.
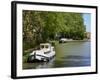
(42, 26)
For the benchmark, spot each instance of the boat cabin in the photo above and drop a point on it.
(46, 47)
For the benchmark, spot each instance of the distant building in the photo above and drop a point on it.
(88, 35)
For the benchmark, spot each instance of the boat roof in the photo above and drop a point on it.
(45, 44)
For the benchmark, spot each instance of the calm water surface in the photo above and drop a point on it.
(71, 54)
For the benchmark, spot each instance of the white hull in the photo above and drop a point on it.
(40, 57)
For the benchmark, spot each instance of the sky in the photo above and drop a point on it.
(87, 21)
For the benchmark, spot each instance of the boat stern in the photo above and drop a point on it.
(37, 56)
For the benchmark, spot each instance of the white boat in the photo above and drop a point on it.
(64, 40)
(45, 53)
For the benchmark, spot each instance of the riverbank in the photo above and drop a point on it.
(85, 40)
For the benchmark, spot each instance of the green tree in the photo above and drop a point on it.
(42, 26)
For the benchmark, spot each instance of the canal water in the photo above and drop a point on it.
(70, 54)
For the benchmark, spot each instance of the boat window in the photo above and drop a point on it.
(42, 46)
(46, 46)
(47, 52)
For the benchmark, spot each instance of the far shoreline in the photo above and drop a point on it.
(85, 40)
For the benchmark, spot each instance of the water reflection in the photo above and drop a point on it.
(39, 65)
(46, 64)
(73, 61)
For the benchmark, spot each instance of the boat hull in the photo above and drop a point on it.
(39, 58)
